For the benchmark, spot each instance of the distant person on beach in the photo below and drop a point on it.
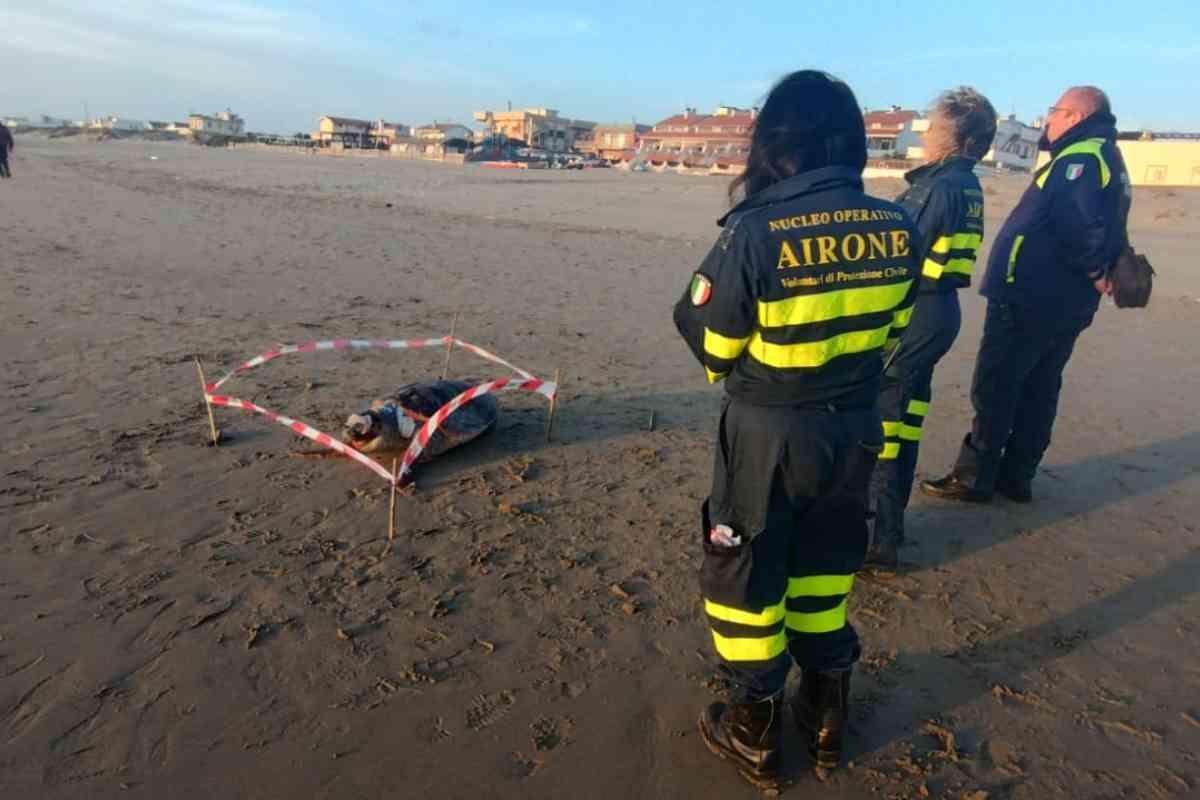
(809, 280)
(6, 146)
(1045, 276)
(945, 199)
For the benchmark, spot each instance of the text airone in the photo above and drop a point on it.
(821, 250)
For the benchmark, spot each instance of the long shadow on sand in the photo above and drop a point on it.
(946, 530)
(935, 683)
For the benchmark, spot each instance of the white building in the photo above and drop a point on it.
(223, 122)
(115, 123)
(1015, 145)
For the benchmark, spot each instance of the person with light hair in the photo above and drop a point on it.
(944, 198)
(1047, 271)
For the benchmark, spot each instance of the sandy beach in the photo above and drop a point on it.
(192, 622)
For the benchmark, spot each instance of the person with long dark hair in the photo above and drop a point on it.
(946, 202)
(810, 279)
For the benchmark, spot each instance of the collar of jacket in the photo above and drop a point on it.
(1098, 126)
(931, 170)
(816, 180)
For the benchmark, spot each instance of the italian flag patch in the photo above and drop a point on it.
(1074, 171)
(701, 289)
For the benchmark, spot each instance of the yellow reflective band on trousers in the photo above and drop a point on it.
(910, 433)
(741, 649)
(1012, 257)
(818, 622)
(918, 407)
(891, 450)
(723, 346)
(891, 428)
(816, 354)
(763, 619)
(901, 316)
(932, 269)
(1091, 147)
(807, 309)
(713, 377)
(961, 266)
(820, 585)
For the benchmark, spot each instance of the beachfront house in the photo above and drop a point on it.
(342, 131)
(224, 122)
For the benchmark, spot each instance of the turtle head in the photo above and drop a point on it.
(379, 429)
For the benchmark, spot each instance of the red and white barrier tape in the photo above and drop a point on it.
(362, 344)
(421, 439)
(526, 382)
(304, 430)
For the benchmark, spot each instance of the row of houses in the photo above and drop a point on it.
(223, 122)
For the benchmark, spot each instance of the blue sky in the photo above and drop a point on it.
(281, 64)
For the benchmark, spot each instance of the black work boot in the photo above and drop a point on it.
(820, 707)
(1017, 491)
(747, 734)
(952, 487)
(883, 559)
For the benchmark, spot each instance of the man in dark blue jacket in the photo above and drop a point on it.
(1045, 276)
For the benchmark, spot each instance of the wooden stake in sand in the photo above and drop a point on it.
(450, 346)
(553, 403)
(392, 507)
(212, 423)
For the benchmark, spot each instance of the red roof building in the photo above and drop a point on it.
(884, 127)
(699, 139)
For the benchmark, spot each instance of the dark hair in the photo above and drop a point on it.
(810, 120)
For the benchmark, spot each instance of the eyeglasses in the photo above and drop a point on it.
(1056, 109)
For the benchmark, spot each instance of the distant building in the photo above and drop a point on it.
(614, 142)
(884, 129)
(537, 127)
(1015, 145)
(223, 122)
(115, 123)
(390, 132)
(720, 139)
(444, 132)
(342, 130)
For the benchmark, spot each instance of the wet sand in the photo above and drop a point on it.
(192, 622)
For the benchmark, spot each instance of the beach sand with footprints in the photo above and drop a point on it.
(193, 622)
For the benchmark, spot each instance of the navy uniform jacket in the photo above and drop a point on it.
(946, 201)
(1068, 228)
(6, 138)
(808, 282)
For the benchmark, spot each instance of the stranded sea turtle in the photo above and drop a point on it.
(390, 423)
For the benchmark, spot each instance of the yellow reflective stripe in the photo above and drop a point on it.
(1091, 147)
(1012, 257)
(818, 622)
(959, 241)
(891, 428)
(890, 450)
(767, 617)
(932, 269)
(739, 649)
(820, 585)
(816, 354)
(713, 377)
(723, 346)
(902, 315)
(960, 266)
(910, 433)
(806, 309)
(918, 407)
